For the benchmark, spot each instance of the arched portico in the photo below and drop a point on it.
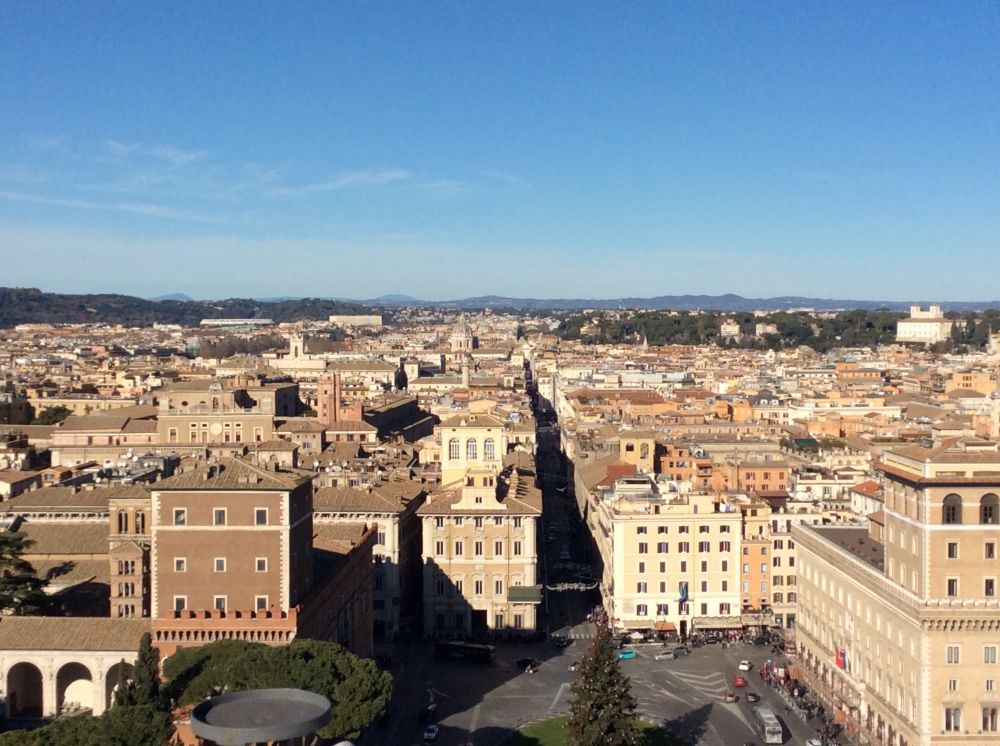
(24, 691)
(74, 688)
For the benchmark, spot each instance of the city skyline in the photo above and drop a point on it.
(356, 151)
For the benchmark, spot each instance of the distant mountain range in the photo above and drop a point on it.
(728, 302)
(172, 296)
(28, 305)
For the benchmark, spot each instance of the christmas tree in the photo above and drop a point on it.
(602, 712)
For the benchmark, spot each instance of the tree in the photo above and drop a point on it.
(51, 416)
(144, 688)
(602, 712)
(119, 726)
(20, 588)
(358, 690)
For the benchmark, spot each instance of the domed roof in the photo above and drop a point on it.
(462, 329)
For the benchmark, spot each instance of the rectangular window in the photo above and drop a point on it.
(704, 565)
(952, 550)
(952, 685)
(477, 548)
(952, 718)
(704, 529)
(662, 609)
(517, 524)
(684, 566)
(953, 654)
(498, 587)
(641, 609)
(498, 549)
(704, 586)
(683, 547)
(662, 547)
(990, 654)
(517, 548)
(458, 586)
(640, 587)
(661, 529)
(260, 516)
(220, 564)
(703, 546)
(219, 516)
(220, 603)
(260, 603)
(989, 587)
(704, 609)
(642, 567)
(439, 548)
(519, 621)
(439, 522)
(180, 516)
(180, 564)
(180, 603)
(952, 587)
(478, 587)
(640, 529)
(459, 548)
(663, 567)
(989, 719)
(725, 546)
(260, 564)
(725, 586)
(498, 620)
(725, 565)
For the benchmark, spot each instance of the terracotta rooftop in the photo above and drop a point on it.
(71, 633)
(51, 538)
(232, 474)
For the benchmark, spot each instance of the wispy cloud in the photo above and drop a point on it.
(442, 186)
(174, 157)
(346, 180)
(136, 208)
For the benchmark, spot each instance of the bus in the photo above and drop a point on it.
(768, 725)
(466, 651)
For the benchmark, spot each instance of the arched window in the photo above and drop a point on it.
(122, 521)
(988, 509)
(489, 449)
(140, 522)
(453, 449)
(471, 450)
(951, 509)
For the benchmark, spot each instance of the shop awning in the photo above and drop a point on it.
(664, 627)
(717, 622)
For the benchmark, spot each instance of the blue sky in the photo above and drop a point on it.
(558, 149)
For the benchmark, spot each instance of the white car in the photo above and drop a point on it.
(430, 732)
(745, 665)
(667, 656)
(814, 742)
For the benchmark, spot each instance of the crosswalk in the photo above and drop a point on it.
(712, 685)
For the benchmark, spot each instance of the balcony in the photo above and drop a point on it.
(524, 594)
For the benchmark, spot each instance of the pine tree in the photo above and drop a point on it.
(20, 588)
(145, 683)
(602, 712)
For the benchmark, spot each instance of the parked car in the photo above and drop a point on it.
(626, 655)
(679, 651)
(731, 697)
(753, 697)
(530, 665)
(745, 665)
(666, 656)
(739, 681)
(430, 732)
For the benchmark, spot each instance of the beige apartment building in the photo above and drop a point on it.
(194, 413)
(901, 637)
(480, 555)
(671, 557)
(471, 441)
